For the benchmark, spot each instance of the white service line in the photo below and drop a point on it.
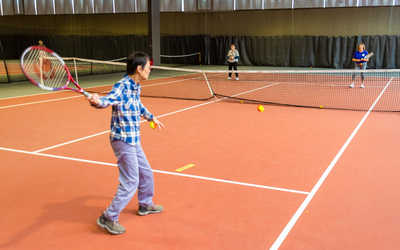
(305, 203)
(232, 182)
(49, 92)
(83, 138)
(158, 171)
(58, 99)
(65, 143)
(29, 103)
(22, 96)
(171, 113)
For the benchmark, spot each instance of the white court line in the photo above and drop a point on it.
(171, 113)
(52, 100)
(83, 138)
(21, 96)
(30, 103)
(159, 171)
(65, 143)
(305, 203)
(49, 92)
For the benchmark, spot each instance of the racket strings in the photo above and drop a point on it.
(31, 61)
(45, 69)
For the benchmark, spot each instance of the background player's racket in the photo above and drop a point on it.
(47, 70)
(369, 55)
(366, 57)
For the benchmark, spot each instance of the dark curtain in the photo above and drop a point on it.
(283, 51)
(185, 45)
(308, 51)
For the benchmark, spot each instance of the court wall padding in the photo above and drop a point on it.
(309, 51)
(109, 47)
(281, 51)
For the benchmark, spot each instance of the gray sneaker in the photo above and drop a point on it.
(153, 209)
(112, 226)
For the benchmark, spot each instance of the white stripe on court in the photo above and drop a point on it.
(22, 96)
(58, 99)
(49, 92)
(171, 113)
(158, 171)
(83, 138)
(65, 143)
(29, 103)
(305, 203)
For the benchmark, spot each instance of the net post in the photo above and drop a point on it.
(76, 72)
(5, 64)
(208, 84)
(91, 49)
(200, 57)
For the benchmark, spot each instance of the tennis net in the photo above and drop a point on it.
(188, 59)
(328, 89)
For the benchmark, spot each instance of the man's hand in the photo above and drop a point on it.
(94, 100)
(159, 124)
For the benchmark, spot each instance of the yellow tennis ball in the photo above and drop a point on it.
(320, 107)
(260, 108)
(153, 125)
(242, 67)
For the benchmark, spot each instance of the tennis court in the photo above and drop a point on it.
(317, 169)
(287, 178)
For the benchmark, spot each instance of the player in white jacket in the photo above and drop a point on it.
(233, 58)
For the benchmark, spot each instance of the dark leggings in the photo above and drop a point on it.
(358, 66)
(234, 65)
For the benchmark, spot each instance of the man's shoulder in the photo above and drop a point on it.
(124, 81)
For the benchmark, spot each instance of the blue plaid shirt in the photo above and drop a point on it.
(126, 110)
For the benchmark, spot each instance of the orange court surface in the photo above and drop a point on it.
(285, 178)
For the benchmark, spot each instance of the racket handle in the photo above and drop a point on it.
(87, 94)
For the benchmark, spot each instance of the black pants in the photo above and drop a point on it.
(234, 65)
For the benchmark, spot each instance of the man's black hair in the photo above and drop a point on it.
(134, 60)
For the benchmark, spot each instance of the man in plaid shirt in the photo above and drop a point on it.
(134, 169)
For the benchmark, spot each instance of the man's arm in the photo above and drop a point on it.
(149, 116)
(113, 98)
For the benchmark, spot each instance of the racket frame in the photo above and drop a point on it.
(69, 76)
(369, 55)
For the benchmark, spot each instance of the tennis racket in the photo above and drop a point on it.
(369, 55)
(44, 68)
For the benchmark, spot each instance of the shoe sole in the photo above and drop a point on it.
(108, 229)
(149, 212)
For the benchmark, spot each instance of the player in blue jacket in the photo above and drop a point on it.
(361, 62)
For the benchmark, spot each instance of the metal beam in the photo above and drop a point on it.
(153, 11)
